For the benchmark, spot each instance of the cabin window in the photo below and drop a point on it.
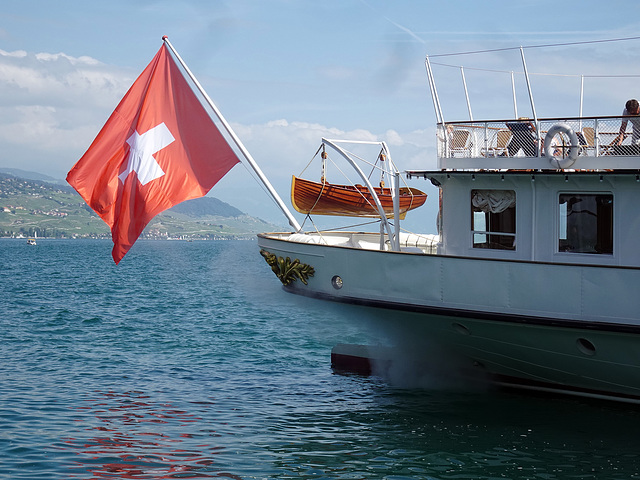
(493, 219)
(586, 223)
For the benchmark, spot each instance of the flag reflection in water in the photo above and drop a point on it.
(138, 439)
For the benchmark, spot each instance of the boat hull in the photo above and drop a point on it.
(502, 319)
(343, 200)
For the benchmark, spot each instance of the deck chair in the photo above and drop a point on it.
(502, 140)
(589, 137)
(459, 143)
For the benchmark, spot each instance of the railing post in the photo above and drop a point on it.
(447, 141)
(596, 139)
(486, 136)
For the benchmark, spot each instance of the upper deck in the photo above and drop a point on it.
(581, 143)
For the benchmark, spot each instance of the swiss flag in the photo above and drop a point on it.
(158, 148)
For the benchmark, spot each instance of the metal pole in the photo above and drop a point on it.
(292, 221)
(466, 93)
(513, 90)
(374, 195)
(437, 107)
(581, 93)
(581, 98)
(394, 175)
(533, 107)
(526, 76)
(434, 92)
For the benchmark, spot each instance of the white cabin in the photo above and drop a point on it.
(504, 194)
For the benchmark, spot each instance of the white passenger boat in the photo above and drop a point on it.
(532, 279)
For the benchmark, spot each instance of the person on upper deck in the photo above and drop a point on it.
(523, 137)
(631, 108)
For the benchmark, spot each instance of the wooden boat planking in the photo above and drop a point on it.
(311, 197)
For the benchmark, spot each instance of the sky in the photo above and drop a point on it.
(286, 73)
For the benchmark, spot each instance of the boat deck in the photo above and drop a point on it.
(409, 242)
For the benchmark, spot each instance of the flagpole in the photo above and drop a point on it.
(292, 221)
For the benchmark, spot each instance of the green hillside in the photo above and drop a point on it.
(52, 210)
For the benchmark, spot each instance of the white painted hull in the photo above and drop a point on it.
(572, 328)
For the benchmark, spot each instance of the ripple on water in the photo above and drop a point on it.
(189, 361)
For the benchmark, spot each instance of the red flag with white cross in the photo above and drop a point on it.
(158, 148)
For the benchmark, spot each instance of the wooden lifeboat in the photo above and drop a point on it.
(315, 198)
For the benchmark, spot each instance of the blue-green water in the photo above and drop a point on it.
(189, 361)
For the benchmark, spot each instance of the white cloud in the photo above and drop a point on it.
(59, 79)
(17, 53)
(40, 131)
(292, 144)
(394, 138)
(52, 106)
(51, 57)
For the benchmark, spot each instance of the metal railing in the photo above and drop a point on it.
(594, 137)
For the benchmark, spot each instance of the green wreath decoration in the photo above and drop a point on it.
(286, 270)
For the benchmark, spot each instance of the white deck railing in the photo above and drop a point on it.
(503, 139)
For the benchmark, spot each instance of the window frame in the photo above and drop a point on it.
(609, 248)
(488, 232)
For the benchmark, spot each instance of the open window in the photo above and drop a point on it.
(586, 223)
(493, 219)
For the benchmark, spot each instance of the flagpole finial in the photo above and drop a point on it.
(164, 38)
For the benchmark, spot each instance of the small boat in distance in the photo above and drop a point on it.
(32, 240)
(325, 198)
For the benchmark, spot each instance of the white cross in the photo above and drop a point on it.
(142, 148)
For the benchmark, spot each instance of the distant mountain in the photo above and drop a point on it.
(198, 207)
(32, 205)
(16, 172)
(206, 207)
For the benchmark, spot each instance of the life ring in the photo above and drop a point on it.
(560, 162)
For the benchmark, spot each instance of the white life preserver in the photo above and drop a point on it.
(574, 149)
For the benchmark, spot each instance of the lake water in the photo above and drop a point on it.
(189, 361)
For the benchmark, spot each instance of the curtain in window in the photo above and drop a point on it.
(493, 201)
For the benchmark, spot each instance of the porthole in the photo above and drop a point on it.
(336, 281)
(461, 329)
(586, 347)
